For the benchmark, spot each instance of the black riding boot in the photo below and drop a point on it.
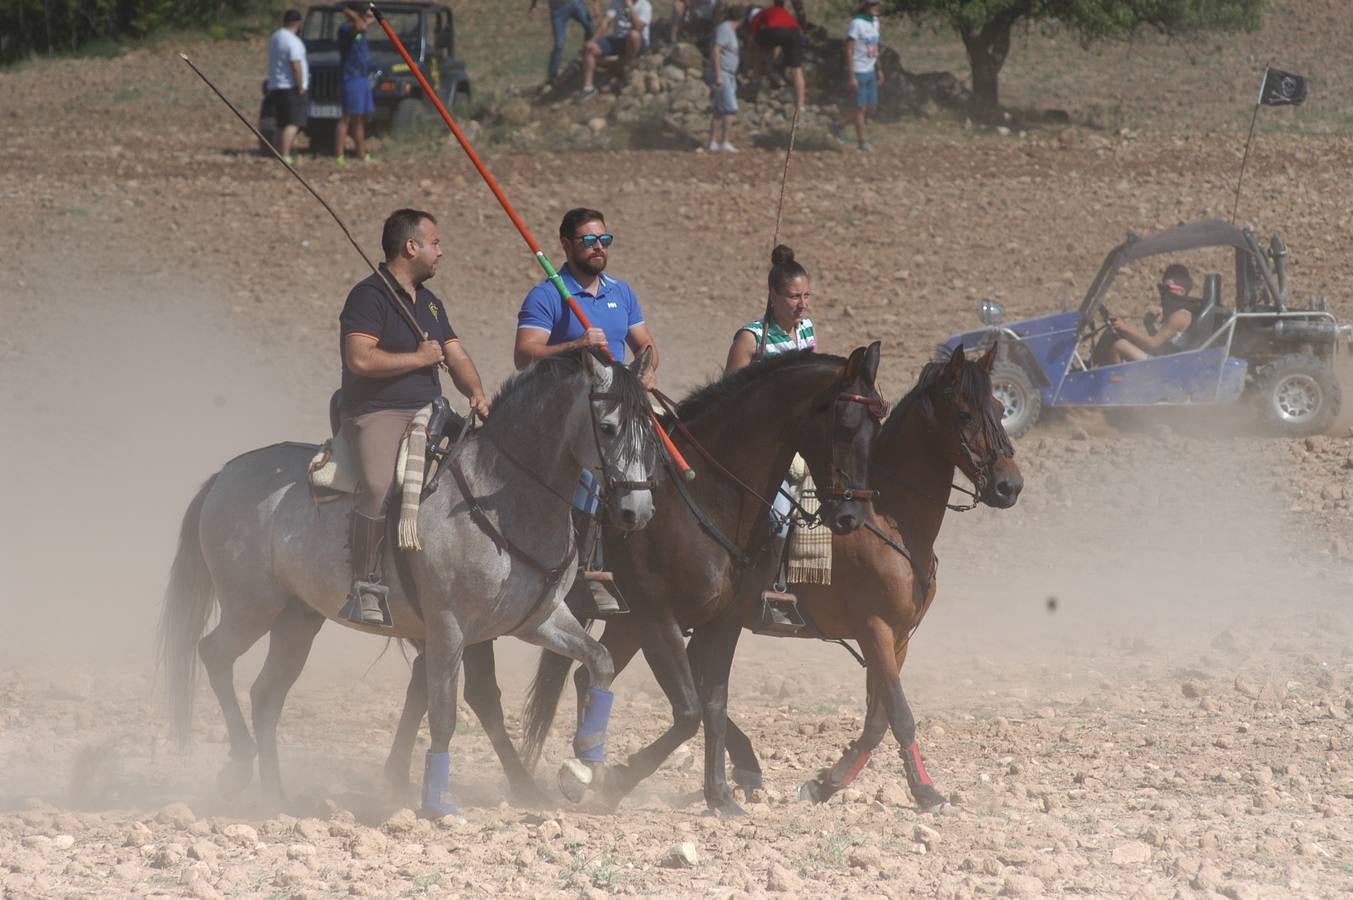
(368, 600)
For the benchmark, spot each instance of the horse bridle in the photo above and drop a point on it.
(1001, 448)
(610, 480)
(878, 410)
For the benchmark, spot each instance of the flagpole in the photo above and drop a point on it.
(1254, 119)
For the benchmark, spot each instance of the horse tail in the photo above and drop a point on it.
(542, 702)
(188, 604)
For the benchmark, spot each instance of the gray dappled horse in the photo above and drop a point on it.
(498, 556)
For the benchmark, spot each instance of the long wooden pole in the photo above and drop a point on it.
(686, 471)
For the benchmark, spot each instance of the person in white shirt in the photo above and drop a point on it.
(628, 38)
(862, 52)
(288, 80)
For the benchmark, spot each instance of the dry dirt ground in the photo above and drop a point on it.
(1177, 722)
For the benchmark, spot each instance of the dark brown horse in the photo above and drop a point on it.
(710, 534)
(883, 578)
(883, 575)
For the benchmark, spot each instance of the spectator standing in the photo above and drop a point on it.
(356, 81)
(722, 74)
(697, 15)
(862, 55)
(629, 22)
(775, 30)
(561, 13)
(288, 80)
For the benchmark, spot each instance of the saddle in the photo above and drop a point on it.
(332, 471)
(804, 558)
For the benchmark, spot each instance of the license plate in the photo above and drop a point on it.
(326, 111)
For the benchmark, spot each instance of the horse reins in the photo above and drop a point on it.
(495, 534)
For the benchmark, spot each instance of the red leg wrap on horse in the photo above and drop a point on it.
(914, 753)
(853, 768)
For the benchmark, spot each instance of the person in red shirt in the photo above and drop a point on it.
(775, 29)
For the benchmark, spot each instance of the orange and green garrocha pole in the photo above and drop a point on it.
(686, 471)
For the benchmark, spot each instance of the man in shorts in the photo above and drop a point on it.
(862, 53)
(627, 39)
(721, 72)
(775, 32)
(355, 65)
(288, 80)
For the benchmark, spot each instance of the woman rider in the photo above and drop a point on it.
(787, 326)
(784, 327)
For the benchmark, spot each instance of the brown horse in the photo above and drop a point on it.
(948, 421)
(710, 538)
(883, 575)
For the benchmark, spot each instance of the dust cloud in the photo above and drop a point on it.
(117, 415)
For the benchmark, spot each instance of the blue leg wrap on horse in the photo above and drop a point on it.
(589, 744)
(437, 800)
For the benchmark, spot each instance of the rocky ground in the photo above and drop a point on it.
(1136, 682)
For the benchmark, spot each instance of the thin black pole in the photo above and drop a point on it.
(1254, 118)
(403, 311)
(1236, 206)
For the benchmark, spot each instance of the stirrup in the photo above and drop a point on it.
(780, 616)
(352, 610)
(607, 600)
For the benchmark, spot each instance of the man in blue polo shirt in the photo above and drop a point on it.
(546, 326)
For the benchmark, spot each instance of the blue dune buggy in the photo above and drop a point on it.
(1259, 348)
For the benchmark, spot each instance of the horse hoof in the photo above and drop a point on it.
(234, 778)
(811, 791)
(729, 809)
(748, 779)
(575, 777)
(928, 799)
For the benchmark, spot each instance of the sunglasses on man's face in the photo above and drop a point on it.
(589, 241)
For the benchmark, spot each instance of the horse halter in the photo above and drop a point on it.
(878, 411)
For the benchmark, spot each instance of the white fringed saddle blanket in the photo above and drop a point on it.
(810, 549)
(333, 470)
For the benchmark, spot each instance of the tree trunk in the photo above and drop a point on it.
(987, 50)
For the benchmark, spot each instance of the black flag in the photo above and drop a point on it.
(1282, 89)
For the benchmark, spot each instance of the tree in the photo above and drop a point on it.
(985, 25)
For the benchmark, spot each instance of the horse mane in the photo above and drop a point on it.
(526, 396)
(973, 391)
(702, 399)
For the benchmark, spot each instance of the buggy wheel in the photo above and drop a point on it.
(1020, 401)
(1298, 395)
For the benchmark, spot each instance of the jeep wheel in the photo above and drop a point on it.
(1020, 400)
(410, 112)
(323, 134)
(1297, 395)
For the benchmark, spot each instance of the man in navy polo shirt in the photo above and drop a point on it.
(390, 371)
(546, 326)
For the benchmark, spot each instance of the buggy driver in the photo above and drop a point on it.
(1125, 343)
